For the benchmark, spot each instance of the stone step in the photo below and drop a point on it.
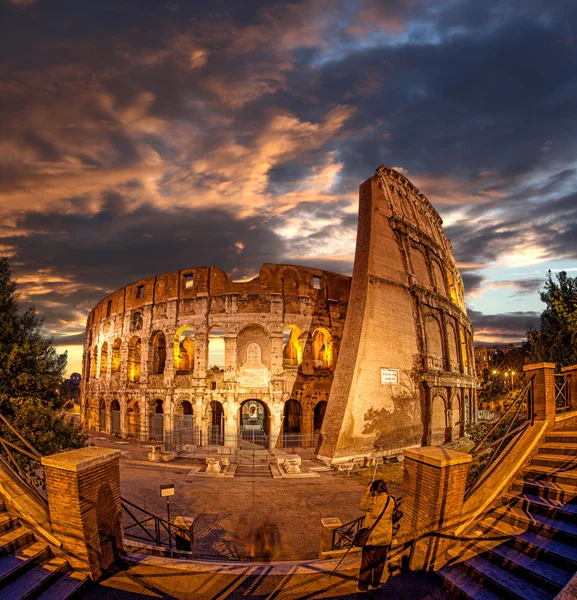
(546, 489)
(461, 585)
(530, 569)
(35, 580)
(68, 586)
(555, 460)
(13, 565)
(543, 506)
(537, 523)
(504, 582)
(553, 474)
(567, 434)
(7, 522)
(16, 538)
(560, 448)
(531, 544)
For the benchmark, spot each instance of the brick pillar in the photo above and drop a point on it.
(571, 374)
(83, 488)
(433, 492)
(543, 390)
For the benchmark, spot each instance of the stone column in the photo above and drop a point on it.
(276, 358)
(543, 390)
(433, 492)
(571, 374)
(230, 422)
(201, 351)
(83, 488)
(230, 366)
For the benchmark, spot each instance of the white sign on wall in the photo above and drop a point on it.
(389, 375)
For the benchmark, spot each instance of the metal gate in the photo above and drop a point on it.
(116, 422)
(156, 432)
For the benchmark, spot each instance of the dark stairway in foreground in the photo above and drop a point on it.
(29, 569)
(538, 523)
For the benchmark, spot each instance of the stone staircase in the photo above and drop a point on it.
(537, 523)
(29, 568)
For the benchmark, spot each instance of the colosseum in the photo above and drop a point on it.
(297, 356)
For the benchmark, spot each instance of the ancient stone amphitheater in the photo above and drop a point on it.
(296, 356)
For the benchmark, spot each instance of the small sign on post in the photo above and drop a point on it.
(166, 491)
(389, 375)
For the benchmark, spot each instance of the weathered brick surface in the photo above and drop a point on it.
(76, 502)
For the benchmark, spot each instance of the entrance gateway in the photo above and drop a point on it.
(254, 422)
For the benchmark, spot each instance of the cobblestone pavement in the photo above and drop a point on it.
(150, 579)
(229, 513)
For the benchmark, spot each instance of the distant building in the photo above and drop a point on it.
(483, 357)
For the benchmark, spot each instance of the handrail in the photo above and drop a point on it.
(482, 452)
(346, 532)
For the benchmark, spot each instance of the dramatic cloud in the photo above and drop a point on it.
(140, 137)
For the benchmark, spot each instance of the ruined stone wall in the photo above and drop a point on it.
(405, 375)
(133, 353)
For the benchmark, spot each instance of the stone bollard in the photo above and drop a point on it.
(213, 465)
(83, 488)
(433, 492)
(543, 390)
(328, 525)
(155, 455)
(292, 465)
(186, 541)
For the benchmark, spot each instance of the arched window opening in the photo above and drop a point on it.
(322, 349)
(438, 421)
(452, 345)
(439, 278)
(137, 321)
(104, 359)
(319, 415)
(456, 417)
(134, 356)
(94, 362)
(464, 350)
(115, 411)
(216, 348)
(158, 361)
(184, 350)
(116, 356)
(420, 268)
(452, 288)
(292, 419)
(102, 416)
(156, 425)
(216, 423)
(254, 422)
(435, 355)
(292, 350)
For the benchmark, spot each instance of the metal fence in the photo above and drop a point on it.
(562, 394)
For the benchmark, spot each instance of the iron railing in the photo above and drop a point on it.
(29, 470)
(562, 394)
(344, 535)
(516, 418)
(152, 529)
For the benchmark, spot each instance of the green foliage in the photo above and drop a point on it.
(556, 339)
(30, 380)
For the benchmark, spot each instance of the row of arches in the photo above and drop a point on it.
(446, 345)
(254, 421)
(317, 347)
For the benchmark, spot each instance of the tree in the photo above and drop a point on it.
(556, 339)
(30, 378)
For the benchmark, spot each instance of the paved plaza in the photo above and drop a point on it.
(230, 513)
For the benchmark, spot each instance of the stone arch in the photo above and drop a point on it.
(322, 348)
(116, 356)
(292, 349)
(456, 417)
(115, 417)
(133, 419)
(452, 347)
(215, 348)
(215, 422)
(253, 333)
(104, 359)
(94, 362)
(439, 277)
(158, 355)
(134, 359)
(137, 321)
(156, 420)
(108, 526)
(184, 349)
(438, 420)
(292, 418)
(434, 341)
(452, 288)
(254, 421)
(102, 415)
(319, 415)
(420, 266)
(290, 282)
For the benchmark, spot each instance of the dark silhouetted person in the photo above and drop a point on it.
(374, 553)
